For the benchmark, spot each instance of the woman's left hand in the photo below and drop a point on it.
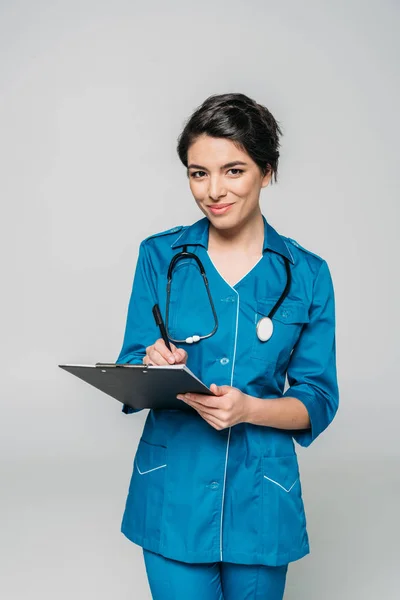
(228, 407)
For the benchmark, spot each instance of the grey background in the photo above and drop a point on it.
(92, 98)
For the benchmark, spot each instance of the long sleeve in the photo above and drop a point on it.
(141, 330)
(311, 372)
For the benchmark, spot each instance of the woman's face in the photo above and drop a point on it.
(224, 181)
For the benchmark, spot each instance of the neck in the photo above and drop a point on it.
(246, 237)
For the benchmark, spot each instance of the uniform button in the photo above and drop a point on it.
(214, 485)
(224, 361)
(285, 313)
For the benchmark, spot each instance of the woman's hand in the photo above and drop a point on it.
(229, 408)
(158, 354)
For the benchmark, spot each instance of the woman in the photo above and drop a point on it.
(215, 497)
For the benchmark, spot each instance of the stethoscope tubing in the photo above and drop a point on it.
(185, 254)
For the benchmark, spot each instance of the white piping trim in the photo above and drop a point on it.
(150, 470)
(179, 236)
(253, 267)
(223, 494)
(245, 275)
(236, 332)
(281, 486)
(288, 249)
(229, 434)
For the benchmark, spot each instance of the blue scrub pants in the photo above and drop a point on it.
(174, 580)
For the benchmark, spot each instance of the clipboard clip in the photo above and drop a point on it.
(107, 365)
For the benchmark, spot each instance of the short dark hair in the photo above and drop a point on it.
(237, 117)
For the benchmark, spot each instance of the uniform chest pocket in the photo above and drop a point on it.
(288, 322)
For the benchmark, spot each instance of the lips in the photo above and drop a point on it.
(218, 209)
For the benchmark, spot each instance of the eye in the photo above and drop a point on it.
(200, 174)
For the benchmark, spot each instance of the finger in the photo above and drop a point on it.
(202, 400)
(174, 352)
(216, 423)
(213, 414)
(220, 390)
(197, 405)
(220, 416)
(205, 414)
(146, 359)
(166, 354)
(156, 358)
(181, 355)
(215, 389)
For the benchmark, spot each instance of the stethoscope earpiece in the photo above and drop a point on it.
(192, 339)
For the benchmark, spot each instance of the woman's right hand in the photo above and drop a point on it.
(158, 354)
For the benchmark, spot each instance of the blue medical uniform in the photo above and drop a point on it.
(198, 494)
(176, 580)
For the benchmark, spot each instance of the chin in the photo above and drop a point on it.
(226, 223)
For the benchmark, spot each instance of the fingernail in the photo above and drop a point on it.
(171, 359)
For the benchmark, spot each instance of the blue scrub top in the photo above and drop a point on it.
(198, 494)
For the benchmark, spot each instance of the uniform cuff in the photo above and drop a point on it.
(304, 437)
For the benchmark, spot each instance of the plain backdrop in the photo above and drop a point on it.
(93, 96)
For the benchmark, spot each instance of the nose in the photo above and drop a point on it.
(216, 188)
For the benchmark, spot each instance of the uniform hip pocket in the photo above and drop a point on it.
(284, 522)
(145, 502)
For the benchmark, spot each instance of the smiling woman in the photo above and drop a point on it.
(229, 157)
(215, 495)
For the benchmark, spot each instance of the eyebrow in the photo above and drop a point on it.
(230, 164)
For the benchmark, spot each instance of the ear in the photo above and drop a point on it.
(267, 177)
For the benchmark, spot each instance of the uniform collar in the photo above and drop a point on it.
(197, 234)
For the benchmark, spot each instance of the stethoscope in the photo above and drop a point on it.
(264, 327)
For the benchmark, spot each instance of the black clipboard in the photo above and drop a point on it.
(141, 386)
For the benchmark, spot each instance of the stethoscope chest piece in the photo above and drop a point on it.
(265, 328)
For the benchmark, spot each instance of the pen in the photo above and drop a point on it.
(160, 323)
